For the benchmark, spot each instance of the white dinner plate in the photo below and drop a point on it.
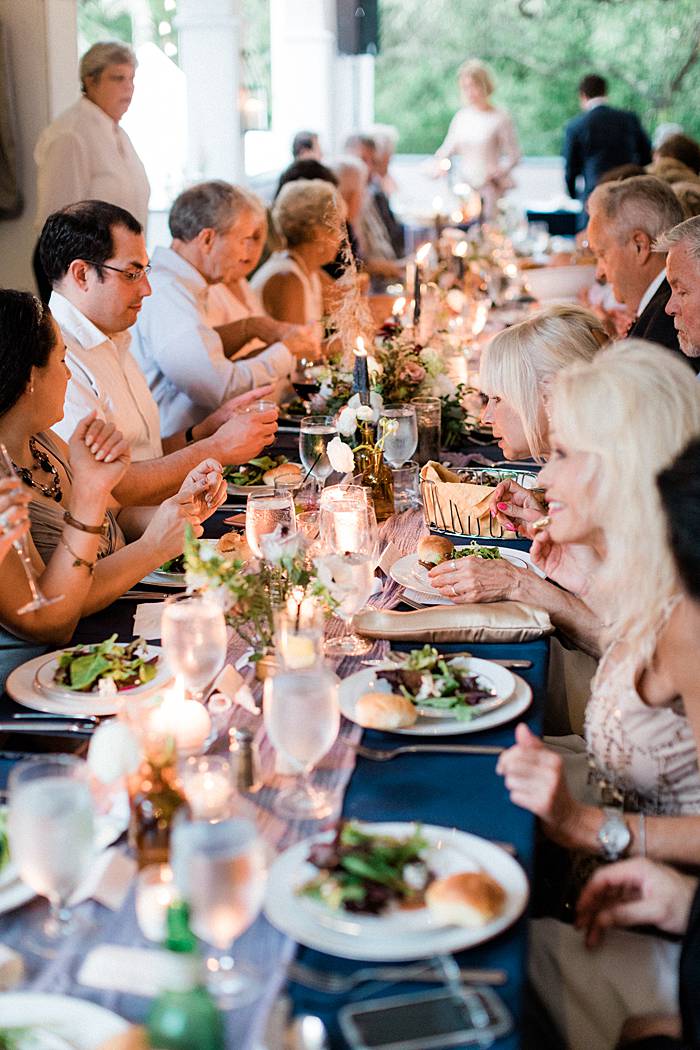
(108, 827)
(498, 679)
(23, 686)
(408, 572)
(171, 580)
(82, 1024)
(397, 936)
(245, 490)
(356, 685)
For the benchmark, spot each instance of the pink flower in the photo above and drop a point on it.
(412, 372)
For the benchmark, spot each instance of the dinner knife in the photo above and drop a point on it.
(49, 725)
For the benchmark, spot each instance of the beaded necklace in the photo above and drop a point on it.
(42, 461)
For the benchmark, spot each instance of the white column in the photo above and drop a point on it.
(209, 43)
(354, 96)
(302, 57)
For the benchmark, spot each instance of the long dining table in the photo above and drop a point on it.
(462, 791)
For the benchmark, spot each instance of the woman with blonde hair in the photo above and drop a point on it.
(616, 423)
(309, 214)
(516, 369)
(482, 137)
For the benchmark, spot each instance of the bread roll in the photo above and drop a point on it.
(134, 1039)
(469, 898)
(434, 549)
(292, 470)
(233, 543)
(384, 711)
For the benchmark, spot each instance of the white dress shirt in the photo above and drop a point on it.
(105, 377)
(651, 292)
(181, 354)
(85, 155)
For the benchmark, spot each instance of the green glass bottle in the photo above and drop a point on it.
(184, 1016)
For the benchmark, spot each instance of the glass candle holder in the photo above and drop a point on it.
(155, 892)
(299, 626)
(208, 785)
(428, 414)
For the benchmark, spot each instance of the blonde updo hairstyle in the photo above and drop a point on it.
(303, 206)
(480, 73)
(519, 362)
(635, 406)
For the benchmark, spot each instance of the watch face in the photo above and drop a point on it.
(614, 836)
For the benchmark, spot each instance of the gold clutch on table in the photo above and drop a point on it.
(503, 622)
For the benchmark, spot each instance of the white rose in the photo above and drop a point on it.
(365, 413)
(347, 421)
(340, 456)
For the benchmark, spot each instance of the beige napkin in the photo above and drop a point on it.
(132, 971)
(232, 685)
(108, 880)
(487, 622)
(147, 620)
(458, 506)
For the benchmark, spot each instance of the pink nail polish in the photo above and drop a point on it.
(502, 506)
(511, 528)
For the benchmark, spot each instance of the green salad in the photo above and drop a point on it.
(126, 665)
(366, 873)
(175, 565)
(475, 550)
(437, 682)
(251, 473)
(4, 841)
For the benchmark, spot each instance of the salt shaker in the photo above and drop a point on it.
(247, 760)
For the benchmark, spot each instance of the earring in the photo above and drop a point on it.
(31, 387)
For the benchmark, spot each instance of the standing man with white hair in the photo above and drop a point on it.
(626, 218)
(84, 154)
(683, 270)
(187, 361)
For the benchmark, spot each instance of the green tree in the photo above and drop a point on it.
(539, 50)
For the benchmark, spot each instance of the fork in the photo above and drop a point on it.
(376, 754)
(339, 983)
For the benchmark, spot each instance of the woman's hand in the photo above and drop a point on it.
(534, 776)
(14, 513)
(165, 533)
(571, 565)
(635, 892)
(516, 508)
(475, 579)
(99, 455)
(205, 487)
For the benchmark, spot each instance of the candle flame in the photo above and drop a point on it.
(437, 205)
(422, 253)
(445, 164)
(482, 313)
(360, 347)
(399, 306)
(456, 216)
(460, 249)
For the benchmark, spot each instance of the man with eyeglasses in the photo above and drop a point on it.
(94, 255)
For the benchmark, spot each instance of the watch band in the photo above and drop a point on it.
(189, 435)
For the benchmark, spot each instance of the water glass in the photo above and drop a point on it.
(155, 892)
(348, 527)
(260, 406)
(428, 414)
(401, 436)
(193, 633)
(315, 434)
(305, 492)
(406, 490)
(350, 578)
(299, 634)
(266, 512)
(51, 831)
(207, 781)
(302, 719)
(220, 868)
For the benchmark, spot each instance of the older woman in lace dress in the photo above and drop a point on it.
(615, 423)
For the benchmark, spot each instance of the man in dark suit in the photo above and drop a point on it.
(625, 219)
(601, 138)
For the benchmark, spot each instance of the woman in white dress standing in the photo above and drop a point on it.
(481, 137)
(84, 154)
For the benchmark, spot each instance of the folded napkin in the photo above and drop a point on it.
(423, 598)
(488, 622)
(390, 554)
(108, 880)
(231, 684)
(131, 971)
(457, 506)
(147, 620)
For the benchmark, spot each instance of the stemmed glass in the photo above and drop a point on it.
(39, 601)
(52, 835)
(220, 868)
(349, 577)
(302, 719)
(193, 633)
(315, 434)
(399, 443)
(264, 512)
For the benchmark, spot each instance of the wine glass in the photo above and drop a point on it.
(220, 868)
(39, 601)
(400, 439)
(349, 579)
(51, 833)
(315, 434)
(193, 632)
(266, 511)
(302, 719)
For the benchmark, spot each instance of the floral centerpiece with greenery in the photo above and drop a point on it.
(250, 591)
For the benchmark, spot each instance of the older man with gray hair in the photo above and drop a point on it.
(191, 366)
(682, 244)
(626, 218)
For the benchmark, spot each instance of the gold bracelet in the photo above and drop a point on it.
(94, 530)
(78, 561)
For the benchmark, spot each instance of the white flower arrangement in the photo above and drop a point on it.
(340, 455)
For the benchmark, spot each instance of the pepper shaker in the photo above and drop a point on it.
(248, 760)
